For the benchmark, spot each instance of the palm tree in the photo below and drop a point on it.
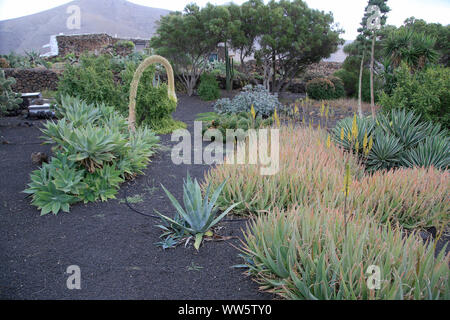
(416, 49)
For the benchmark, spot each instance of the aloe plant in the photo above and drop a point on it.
(199, 214)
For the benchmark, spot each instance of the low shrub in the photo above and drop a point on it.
(426, 92)
(350, 81)
(94, 153)
(316, 253)
(339, 90)
(320, 89)
(92, 80)
(259, 97)
(208, 88)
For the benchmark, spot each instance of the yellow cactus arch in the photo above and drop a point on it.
(135, 83)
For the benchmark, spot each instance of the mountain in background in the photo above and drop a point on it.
(118, 18)
(115, 17)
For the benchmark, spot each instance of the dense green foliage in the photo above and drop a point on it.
(325, 88)
(105, 79)
(9, 100)
(92, 80)
(426, 92)
(153, 105)
(208, 88)
(434, 30)
(414, 49)
(187, 38)
(94, 153)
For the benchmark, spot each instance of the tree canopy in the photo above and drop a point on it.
(290, 37)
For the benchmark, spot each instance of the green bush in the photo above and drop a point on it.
(320, 89)
(92, 80)
(425, 92)
(350, 81)
(339, 90)
(9, 101)
(208, 88)
(95, 152)
(153, 105)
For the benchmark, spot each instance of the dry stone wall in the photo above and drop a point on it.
(32, 80)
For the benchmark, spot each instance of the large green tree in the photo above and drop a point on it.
(187, 38)
(294, 36)
(245, 26)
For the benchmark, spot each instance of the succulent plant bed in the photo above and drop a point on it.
(119, 248)
(113, 245)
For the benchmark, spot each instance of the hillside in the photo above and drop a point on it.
(114, 17)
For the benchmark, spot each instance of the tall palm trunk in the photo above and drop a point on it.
(361, 69)
(372, 60)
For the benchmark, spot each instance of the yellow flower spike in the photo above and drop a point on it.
(357, 146)
(322, 109)
(365, 140)
(329, 141)
(303, 119)
(349, 136)
(342, 134)
(347, 180)
(252, 111)
(354, 127)
(275, 117)
(318, 128)
(296, 108)
(370, 144)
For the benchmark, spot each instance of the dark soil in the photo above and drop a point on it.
(113, 245)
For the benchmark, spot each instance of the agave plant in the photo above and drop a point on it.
(386, 152)
(406, 126)
(435, 151)
(54, 186)
(365, 128)
(76, 111)
(199, 214)
(94, 146)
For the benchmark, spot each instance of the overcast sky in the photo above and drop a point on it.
(347, 13)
